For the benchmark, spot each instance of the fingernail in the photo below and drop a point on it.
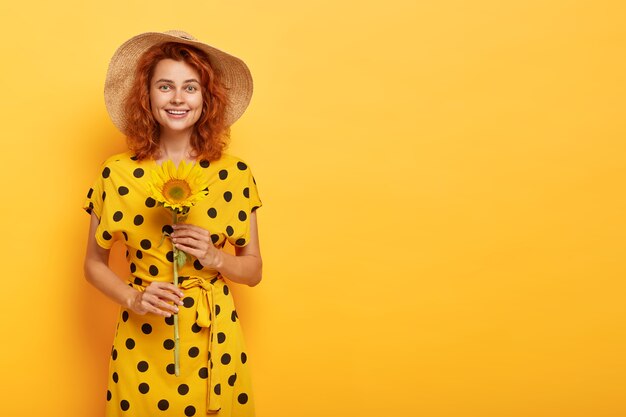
(176, 309)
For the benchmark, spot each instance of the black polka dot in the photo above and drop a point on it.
(217, 389)
(242, 398)
(246, 192)
(106, 235)
(232, 379)
(115, 377)
(133, 267)
(146, 328)
(125, 316)
(90, 193)
(225, 289)
(229, 230)
(169, 320)
(233, 316)
(130, 343)
(167, 229)
(150, 202)
(163, 405)
(242, 215)
(225, 359)
(203, 373)
(144, 388)
(171, 369)
(139, 254)
(114, 354)
(127, 253)
(212, 213)
(183, 389)
(139, 219)
(137, 281)
(242, 166)
(170, 256)
(228, 196)
(109, 395)
(138, 173)
(188, 302)
(204, 163)
(168, 344)
(197, 265)
(193, 352)
(145, 243)
(240, 242)
(134, 157)
(154, 271)
(117, 216)
(217, 309)
(195, 328)
(221, 337)
(190, 411)
(104, 195)
(142, 366)
(215, 238)
(244, 357)
(106, 172)
(122, 190)
(124, 405)
(125, 236)
(223, 174)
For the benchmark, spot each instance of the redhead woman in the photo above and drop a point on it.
(175, 97)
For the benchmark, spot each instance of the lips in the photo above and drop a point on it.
(177, 112)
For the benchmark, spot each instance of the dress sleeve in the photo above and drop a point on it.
(249, 202)
(95, 202)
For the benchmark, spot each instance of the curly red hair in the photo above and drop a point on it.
(210, 133)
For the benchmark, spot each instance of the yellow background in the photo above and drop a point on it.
(443, 185)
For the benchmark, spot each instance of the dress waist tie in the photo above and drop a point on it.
(204, 318)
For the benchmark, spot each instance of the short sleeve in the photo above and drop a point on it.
(249, 202)
(95, 202)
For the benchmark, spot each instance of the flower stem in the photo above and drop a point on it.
(176, 336)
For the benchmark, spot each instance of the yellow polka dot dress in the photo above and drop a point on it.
(214, 376)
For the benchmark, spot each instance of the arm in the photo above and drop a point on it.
(245, 267)
(98, 273)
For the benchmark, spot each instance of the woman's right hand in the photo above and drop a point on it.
(161, 298)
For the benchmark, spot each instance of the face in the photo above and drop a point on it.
(175, 96)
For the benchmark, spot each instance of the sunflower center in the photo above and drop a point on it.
(176, 190)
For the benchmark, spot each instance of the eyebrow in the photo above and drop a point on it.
(192, 80)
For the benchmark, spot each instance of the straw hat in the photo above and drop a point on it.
(235, 75)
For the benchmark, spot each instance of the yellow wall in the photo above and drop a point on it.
(443, 186)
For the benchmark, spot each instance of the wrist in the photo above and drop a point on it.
(131, 298)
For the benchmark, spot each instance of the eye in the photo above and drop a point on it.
(161, 87)
(191, 88)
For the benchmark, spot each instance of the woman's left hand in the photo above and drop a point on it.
(196, 241)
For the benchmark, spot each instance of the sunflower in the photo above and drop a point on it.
(178, 188)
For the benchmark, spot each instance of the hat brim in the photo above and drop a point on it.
(234, 74)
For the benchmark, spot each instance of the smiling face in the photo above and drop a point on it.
(175, 97)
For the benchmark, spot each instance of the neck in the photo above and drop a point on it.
(175, 146)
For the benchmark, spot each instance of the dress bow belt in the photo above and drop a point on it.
(205, 308)
(204, 318)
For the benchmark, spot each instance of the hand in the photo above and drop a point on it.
(157, 299)
(196, 241)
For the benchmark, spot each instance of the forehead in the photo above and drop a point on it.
(174, 70)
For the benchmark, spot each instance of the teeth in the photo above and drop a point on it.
(177, 111)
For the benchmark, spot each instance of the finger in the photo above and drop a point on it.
(188, 228)
(203, 236)
(167, 286)
(198, 253)
(159, 306)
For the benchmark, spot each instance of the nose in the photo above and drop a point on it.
(177, 99)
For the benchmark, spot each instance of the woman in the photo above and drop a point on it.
(174, 98)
